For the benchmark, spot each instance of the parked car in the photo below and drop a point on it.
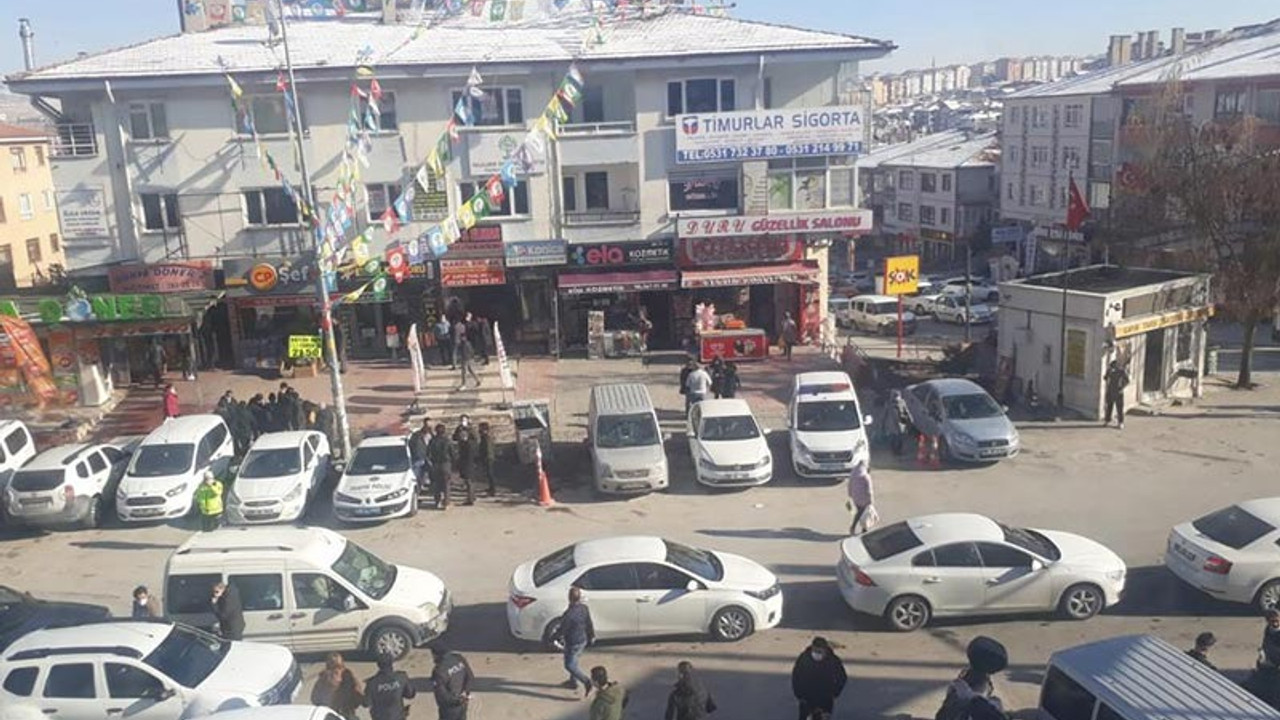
(839, 307)
(962, 564)
(130, 669)
(921, 304)
(879, 314)
(69, 485)
(378, 483)
(278, 477)
(979, 290)
(950, 308)
(21, 613)
(644, 586)
(626, 442)
(169, 464)
(727, 444)
(280, 712)
(16, 448)
(969, 424)
(1231, 554)
(828, 433)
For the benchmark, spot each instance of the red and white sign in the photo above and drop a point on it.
(472, 273)
(161, 278)
(748, 344)
(695, 252)
(845, 222)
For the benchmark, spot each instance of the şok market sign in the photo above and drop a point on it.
(750, 134)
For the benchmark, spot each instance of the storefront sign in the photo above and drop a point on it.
(1007, 234)
(270, 276)
(647, 252)
(487, 151)
(847, 222)
(752, 134)
(481, 241)
(902, 275)
(931, 234)
(733, 345)
(161, 278)
(740, 250)
(1163, 320)
(534, 253)
(98, 308)
(83, 213)
(707, 193)
(797, 273)
(472, 273)
(305, 346)
(614, 283)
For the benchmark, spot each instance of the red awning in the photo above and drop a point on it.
(759, 275)
(618, 282)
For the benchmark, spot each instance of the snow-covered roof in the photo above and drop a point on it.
(1254, 53)
(950, 149)
(1094, 83)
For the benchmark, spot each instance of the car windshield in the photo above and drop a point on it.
(890, 540)
(277, 462)
(702, 563)
(884, 308)
(1031, 541)
(971, 406)
(827, 415)
(162, 460)
(624, 431)
(379, 459)
(737, 427)
(36, 480)
(188, 656)
(365, 570)
(1232, 526)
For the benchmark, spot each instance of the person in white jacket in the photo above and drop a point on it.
(861, 496)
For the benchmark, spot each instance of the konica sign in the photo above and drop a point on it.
(762, 134)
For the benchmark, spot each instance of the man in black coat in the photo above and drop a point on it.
(817, 679)
(465, 440)
(418, 451)
(451, 678)
(229, 611)
(386, 691)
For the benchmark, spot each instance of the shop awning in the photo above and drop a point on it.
(618, 282)
(759, 275)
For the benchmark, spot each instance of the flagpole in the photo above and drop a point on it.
(322, 293)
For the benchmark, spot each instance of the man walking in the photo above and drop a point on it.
(485, 456)
(444, 341)
(465, 354)
(418, 441)
(156, 360)
(1116, 379)
(611, 698)
(789, 334)
(576, 632)
(209, 502)
(451, 680)
(229, 611)
(386, 691)
(861, 496)
(464, 439)
(440, 459)
(817, 679)
(698, 387)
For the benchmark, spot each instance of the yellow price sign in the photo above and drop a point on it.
(902, 275)
(305, 346)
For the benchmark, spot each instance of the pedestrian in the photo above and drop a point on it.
(475, 335)
(971, 697)
(444, 341)
(730, 383)
(1116, 379)
(717, 376)
(485, 456)
(224, 402)
(418, 441)
(297, 417)
(337, 688)
(689, 366)
(145, 605)
(170, 401)
(576, 631)
(451, 680)
(645, 327)
(240, 423)
(688, 700)
(209, 502)
(817, 678)
(464, 439)
(465, 354)
(698, 385)
(156, 359)
(272, 413)
(789, 333)
(861, 498)
(386, 691)
(611, 698)
(440, 459)
(259, 415)
(228, 610)
(1264, 682)
(327, 424)
(1204, 642)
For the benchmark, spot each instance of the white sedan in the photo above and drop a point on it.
(921, 305)
(378, 483)
(278, 477)
(950, 308)
(728, 445)
(962, 564)
(1232, 553)
(644, 586)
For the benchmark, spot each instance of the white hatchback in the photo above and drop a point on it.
(70, 485)
(728, 446)
(378, 483)
(962, 564)
(1231, 554)
(278, 477)
(644, 586)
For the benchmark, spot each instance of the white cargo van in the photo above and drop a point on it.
(828, 430)
(308, 589)
(1140, 677)
(169, 464)
(627, 454)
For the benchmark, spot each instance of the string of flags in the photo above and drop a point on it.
(268, 160)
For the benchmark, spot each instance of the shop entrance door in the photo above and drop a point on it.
(1153, 364)
(369, 339)
(658, 306)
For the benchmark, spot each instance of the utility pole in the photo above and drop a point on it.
(322, 294)
(968, 287)
(1062, 340)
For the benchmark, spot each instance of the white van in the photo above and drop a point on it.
(627, 453)
(168, 466)
(839, 307)
(1140, 677)
(828, 434)
(308, 589)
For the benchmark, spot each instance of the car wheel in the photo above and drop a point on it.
(549, 638)
(392, 640)
(732, 624)
(1081, 602)
(93, 516)
(908, 613)
(1268, 596)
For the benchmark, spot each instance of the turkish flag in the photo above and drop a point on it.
(1077, 208)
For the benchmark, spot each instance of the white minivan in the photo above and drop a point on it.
(627, 451)
(278, 478)
(169, 464)
(308, 589)
(828, 433)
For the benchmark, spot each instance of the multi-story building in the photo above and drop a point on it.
(30, 239)
(607, 220)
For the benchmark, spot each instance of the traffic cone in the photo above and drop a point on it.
(922, 449)
(935, 459)
(544, 485)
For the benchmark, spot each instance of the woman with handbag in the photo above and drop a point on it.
(861, 496)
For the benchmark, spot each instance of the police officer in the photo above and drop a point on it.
(209, 501)
(441, 455)
(386, 692)
(451, 678)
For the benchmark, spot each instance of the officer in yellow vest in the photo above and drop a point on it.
(209, 502)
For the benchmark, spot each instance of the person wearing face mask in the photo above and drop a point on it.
(817, 679)
(145, 605)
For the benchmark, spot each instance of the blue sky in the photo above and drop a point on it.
(945, 31)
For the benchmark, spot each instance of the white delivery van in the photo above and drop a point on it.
(828, 433)
(168, 466)
(308, 589)
(1140, 677)
(627, 453)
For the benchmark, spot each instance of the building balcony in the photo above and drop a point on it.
(75, 140)
(588, 218)
(599, 143)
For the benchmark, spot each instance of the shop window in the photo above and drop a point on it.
(520, 195)
(702, 95)
(147, 121)
(266, 113)
(379, 197)
(704, 193)
(269, 207)
(1077, 346)
(387, 120)
(496, 107)
(928, 182)
(160, 211)
(928, 215)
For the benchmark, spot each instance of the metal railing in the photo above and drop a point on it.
(602, 217)
(619, 127)
(75, 140)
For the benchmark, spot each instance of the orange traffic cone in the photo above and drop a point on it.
(922, 448)
(544, 485)
(935, 458)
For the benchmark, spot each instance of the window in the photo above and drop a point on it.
(33, 250)
(928, 182)
(25, 210)
(1064, 698)
(1268, 106)
(6, 258)
(387, 119)
(1013, 155)
(3, 218)
(259, 592)
(380, 196)
(553, 566)
(72, 680)
(269, 206)
(1039, 156)
(1003, 556)
(1232, 526)
(766, 94)
(127, 682)
(1039, 117)
(569, 193)
(924, 559)
(96, 463)
(704, 95)
(608, 577)
(652, 576)
(962, 554)
(906, 181)
(520, 194)
(1072, 115)
(39, 155)
(944, 216)
(928, 215)
(498, 106)
(267, 113)
(592, 104)
(1013, 115)
(702, 193)
(147, 121)
(48, 199)
(1036, 195)
(189, 594)
(946, 182)
(1229, 102)
(596, 187)
(18, 159)
(890, 540)
(82, 470)
(1009, 191)
(160, 211)
(1071, 158)
(905, 212)
(313, 591)
(21, 681)
(811, 183)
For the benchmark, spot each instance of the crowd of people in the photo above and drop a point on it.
(277, 412)
(438, 456)
(462, 341)
(718, 379)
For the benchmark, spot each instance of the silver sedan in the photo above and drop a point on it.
(969, 424)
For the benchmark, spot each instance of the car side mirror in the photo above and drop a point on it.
(666, 437)
(159, 694)
(1036, 566)
(692, 585)
(349, 604)
(867, 419)
(1004, 408)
